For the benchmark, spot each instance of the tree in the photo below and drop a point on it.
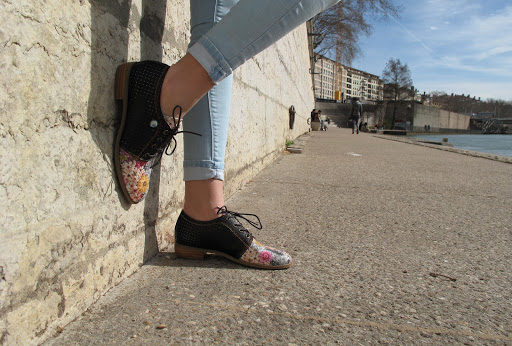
(338, 28)
(397, 80)
(465, 104)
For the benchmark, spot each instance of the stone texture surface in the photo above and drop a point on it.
(67, 233)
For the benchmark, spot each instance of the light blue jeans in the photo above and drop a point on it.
(225, 34)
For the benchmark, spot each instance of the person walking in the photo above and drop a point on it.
(197, 89)
(355, 114)
(322, 121)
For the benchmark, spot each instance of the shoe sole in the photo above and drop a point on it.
(121, 93)
(193, 253)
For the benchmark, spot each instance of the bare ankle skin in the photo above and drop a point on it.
(184, 84)
(203, 198)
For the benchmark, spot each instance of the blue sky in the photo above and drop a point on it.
(459, 46)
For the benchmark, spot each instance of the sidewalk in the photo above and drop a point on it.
(392, 243)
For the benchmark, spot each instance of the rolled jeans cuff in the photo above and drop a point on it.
(205, 52)
(202, 171)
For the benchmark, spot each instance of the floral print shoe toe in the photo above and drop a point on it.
(144, 134)
(135, 175)
(227, 237)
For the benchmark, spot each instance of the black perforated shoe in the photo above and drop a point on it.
(227, 237)
(144, 134)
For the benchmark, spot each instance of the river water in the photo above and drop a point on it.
(491, 144)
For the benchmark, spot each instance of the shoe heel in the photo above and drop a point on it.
(122, 73)
(188, 253)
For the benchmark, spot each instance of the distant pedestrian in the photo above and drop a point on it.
(355, 114)
(322, 122)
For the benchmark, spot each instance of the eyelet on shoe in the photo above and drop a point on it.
(153, 123)
(153, 146)
(159, 139)
(166, 132)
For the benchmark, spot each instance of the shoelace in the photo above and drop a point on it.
(170, 139)
(235, 215)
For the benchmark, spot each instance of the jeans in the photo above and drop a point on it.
(225, 34)
(355, 124)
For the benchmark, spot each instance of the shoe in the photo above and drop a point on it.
(227, 237)
(144, 133)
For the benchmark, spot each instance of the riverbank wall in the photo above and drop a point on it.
(409, 116)
(438, 120)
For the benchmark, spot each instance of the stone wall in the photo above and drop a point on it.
(438, 119)
(68, 235)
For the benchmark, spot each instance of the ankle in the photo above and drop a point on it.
(203, 198)
(201, 214)
(184, 84)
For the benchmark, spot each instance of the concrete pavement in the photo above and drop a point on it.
(392, 243)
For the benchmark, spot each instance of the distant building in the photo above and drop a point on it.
(335, 81)
(324, 78)
(357, 83)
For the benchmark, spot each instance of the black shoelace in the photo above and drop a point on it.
(234, 215)
(170, 138)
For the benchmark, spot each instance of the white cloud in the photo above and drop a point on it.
(493, 34)
(444, 11)
(475, 41)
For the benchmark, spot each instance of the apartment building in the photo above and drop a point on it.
(325, 78)
(335, 81)
(357, 83)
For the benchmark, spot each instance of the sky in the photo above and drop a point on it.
(455, 46)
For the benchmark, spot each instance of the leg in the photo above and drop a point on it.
(200, 228)
(203, 226)
(204, 156)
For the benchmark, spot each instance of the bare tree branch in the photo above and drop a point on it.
(341, 26)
